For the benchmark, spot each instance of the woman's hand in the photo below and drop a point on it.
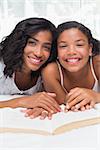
(81, 99)
(42, 99)
(36, 112)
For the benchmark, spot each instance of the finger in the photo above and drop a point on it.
(74, 90)
(47, 107)
(26, 111)
(44, 114)
(82, 108)
(52, 102)
(67, 107)
(36, 113)
(23, 110)
(73, 96)
(65, 110)
(75, 102)
(51, 94)
(92, 104)
(82, 103)
(29, 112)
(50, 116)
(87, 106)
(50, 105)
(74, 109)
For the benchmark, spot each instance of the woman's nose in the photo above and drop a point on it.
(38, 52)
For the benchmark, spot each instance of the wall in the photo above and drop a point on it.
(84, 11)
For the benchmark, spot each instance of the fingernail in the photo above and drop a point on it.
(76, 110)
(65, 110)
(31, 117)
(49, 118)
(41, 117)
(59, 109)
(52, 111)
(77, 106)
(70, 93)
(90, 106)
(67, 106)
(83, 109)
(26, 115)
(62, 110)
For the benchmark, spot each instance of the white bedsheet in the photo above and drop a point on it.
(86, 138)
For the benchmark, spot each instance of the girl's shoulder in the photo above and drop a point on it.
(96, 65)
(51, 69)
(51, 66)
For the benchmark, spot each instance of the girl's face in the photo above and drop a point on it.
(73, 49)
(37, 50)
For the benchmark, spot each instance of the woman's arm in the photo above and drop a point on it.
(41, 99)
(51, 81)
(7, 103)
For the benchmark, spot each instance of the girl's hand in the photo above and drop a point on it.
(81, 98)
(36, 112)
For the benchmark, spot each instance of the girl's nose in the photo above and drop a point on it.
(72, 50)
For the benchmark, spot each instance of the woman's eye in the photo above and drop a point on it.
(33, 43)
(47, 48)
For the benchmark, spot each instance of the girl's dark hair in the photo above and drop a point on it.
(12, 47)
(84, 30)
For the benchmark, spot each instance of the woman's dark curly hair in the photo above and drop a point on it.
(12, 47)
(84, 30)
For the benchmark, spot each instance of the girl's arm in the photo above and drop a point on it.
(80, 97)
(96, 65)
(51, 81)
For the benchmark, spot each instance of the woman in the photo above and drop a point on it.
(22, 56)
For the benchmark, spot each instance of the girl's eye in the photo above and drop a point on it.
(62, 46)
(81, 44)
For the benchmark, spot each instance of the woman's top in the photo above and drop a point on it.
(8, 86)
(96, 86)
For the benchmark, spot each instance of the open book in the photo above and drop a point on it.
(12, 120)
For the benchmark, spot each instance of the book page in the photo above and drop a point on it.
(63, 122)
(14, 119)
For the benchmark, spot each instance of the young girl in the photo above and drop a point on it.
(22, 56)
(76, 73)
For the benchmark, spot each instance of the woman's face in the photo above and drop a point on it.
(37, 50)
(73, 49)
